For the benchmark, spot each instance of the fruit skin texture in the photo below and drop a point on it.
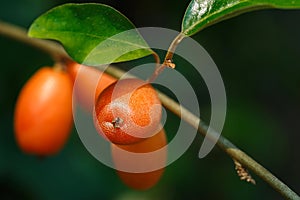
(127, 111)
(146, 180)
(43, 113)
(88, 86)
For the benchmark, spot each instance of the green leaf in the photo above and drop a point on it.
(203, 13)
(91, 33)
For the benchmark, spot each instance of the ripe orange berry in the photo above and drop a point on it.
(43, 113)
(146, 180)
(127, 111)
(88, 86)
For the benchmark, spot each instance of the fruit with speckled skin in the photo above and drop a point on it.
(127, 111)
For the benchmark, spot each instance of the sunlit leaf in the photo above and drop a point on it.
(203, 13)
(91, 33)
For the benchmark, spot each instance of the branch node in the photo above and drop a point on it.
(243, 172)
(169, 63)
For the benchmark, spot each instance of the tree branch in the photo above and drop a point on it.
(58, 54)
(55, 50)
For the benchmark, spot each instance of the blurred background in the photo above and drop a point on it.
(258, 56)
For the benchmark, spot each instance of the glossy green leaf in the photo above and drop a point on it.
(91, 33)
(203, 13)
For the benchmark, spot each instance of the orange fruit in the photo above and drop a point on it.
(90, 82)
(145, 180)
(43, 113)
(127, 111)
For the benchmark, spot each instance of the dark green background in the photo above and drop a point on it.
(258, 55)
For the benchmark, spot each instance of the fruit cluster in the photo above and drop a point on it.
(126, 112)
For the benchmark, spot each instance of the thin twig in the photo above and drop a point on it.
(168, 62)
(235, 153)
(157, 66)
(15, 32)
(173, 46)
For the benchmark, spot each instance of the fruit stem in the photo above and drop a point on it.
(59, 66)
(168, 58)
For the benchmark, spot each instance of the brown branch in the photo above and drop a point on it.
(168, 58)
(17, 33)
